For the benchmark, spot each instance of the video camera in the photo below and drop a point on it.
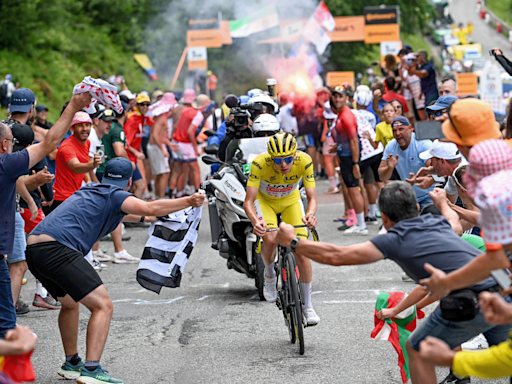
(241, 113)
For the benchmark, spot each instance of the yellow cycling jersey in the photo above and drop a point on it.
(273, 184)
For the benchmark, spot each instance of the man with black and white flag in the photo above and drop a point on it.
(55, 256)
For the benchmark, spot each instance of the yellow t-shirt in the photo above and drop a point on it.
(273, 184)
(384, 133)
(490, 363)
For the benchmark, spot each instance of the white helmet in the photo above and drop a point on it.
(265, 125)
(254, 92)
(267, 101)
(363, 95)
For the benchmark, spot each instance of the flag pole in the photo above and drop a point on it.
(178, 70)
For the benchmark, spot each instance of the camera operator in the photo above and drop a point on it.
(505, 63)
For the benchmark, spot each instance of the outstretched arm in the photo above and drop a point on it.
(138, 207)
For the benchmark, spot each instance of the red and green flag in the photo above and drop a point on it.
(397, 329)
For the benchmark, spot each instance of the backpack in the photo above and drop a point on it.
(4, 88)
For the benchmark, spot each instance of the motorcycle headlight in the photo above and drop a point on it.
(240, 203)
(220, 195)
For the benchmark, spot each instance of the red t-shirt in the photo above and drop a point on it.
(67, 181)
(188, 116)
(389, 96)
(134, 130)
(346, 130)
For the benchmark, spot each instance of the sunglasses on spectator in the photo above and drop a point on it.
(278, 160)
(439, 113)
(144, 104)
(458, 182)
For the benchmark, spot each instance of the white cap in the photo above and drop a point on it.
(363, 97)
(128, 94)
(441, 150)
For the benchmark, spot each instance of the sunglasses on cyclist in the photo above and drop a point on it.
(278, 160)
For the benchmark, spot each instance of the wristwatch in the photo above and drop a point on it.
(355, 162)
(294, 244)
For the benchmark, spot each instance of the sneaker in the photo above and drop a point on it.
(343, 227)
(311, 316)
(48, 302)
(124, 257)
(101, 256)
(405, 277)
(478, 342)
(98, 376)
(21, 308)
(371, 220)
(270, 289)
(70, 371)
(452, 379)
(356, 230)
(98, 266)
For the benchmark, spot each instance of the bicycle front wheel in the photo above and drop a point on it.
(292, 276)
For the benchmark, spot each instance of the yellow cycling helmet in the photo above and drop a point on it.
(282, 144)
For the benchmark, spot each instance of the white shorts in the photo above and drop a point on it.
(186, 152)
(159, 163)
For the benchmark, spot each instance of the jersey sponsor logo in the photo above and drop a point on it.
(309, 165)
(257, 165)
(310, 178)
(253, 177)
(292, 178)
(273, 178)
(279, 188)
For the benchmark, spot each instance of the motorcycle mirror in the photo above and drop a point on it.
(211, 149)
(209, 160)
(210, 133)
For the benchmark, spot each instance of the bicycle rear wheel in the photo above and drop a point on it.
(295, 304)
(284, 296)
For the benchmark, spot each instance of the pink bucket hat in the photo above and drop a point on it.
(493, 195)
(486, 158)
(165, 104)
(188, 96)
(81, 117)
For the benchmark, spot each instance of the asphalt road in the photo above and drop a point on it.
(463, 11)
(214, 329)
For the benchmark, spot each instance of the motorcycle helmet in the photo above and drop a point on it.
(268, 103)
(254, 92)
(265, 125)
(282, 144)
(244, 99)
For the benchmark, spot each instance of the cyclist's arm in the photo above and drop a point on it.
(312, 204)
(250, 197)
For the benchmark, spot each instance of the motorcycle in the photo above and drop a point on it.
(231, 229)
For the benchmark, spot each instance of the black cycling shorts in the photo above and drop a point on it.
(372, 163)
(347, 172)
(62, 270)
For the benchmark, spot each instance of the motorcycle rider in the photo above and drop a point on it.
(273, 188)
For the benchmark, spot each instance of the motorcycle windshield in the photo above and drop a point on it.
(245, 150)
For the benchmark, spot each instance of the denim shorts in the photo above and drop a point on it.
(456, 333)
(20, 243)
(7, 311)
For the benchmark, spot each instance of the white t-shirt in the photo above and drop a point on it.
(286, 120)
(95, 142)
(366, 123)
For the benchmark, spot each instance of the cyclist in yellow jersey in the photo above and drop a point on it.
(273, 188)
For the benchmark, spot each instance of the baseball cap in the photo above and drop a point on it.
(188, 96)
(155, 95)
(118, 172)
(22, 100)
(441, 150)
(485, 159)
(128, 94)
(340, 89)
(142, 97)
(81, 117)
(323, 89)
(443, 102)
(178, 94)
(471, 121)
(8, 77)
(41, 107)
(399, 121)
(408, 47)
(493, 195)
(23, 136)
(106, 115)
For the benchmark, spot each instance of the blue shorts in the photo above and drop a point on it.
(456, 333)
(20, 243)
(136, 174)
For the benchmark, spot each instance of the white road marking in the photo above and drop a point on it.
(202, 298)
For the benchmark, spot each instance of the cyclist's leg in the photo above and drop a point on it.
(268, 250)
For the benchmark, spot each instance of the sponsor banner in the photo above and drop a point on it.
(209, 38)
(338, 78)
(375, 34)
(467, 83)
(198, 64)
(348, 28)
(379, 16)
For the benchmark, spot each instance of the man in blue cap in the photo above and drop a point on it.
(55, 255)
(403, 153)
(438, 111)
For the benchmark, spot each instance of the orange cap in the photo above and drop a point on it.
(474, 122)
